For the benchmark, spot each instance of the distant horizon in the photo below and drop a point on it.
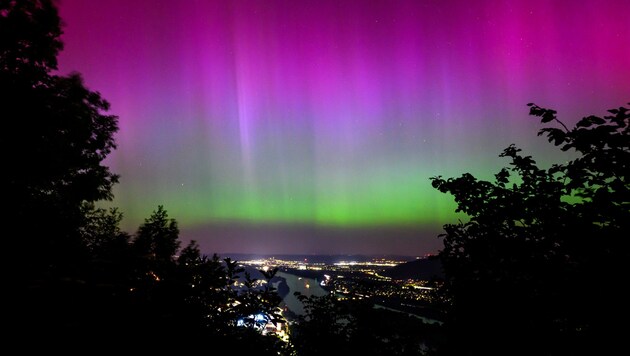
(294, 239)
(278, 255)
(320, 258)
(321, 254)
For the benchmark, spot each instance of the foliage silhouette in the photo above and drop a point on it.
(79, 279)
(55, 138)
(537, 267)
(157, 237)
(337, 327)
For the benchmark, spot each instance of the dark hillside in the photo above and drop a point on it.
(425, 269)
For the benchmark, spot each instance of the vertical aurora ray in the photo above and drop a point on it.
(314, 117)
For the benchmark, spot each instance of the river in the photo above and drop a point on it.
(306, 286)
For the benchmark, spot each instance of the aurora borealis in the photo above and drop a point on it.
(289, 126)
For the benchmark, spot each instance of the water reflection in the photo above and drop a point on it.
(306, 286)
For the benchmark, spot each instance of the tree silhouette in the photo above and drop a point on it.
(337, 327)
(55, 137)
(537, 268)
(325, 327)
(78, 277)
(54, 140)
(101, 232)
(157, 237)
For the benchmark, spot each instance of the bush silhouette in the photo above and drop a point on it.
(537, 268)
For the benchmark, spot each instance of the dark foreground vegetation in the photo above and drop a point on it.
(538, 268)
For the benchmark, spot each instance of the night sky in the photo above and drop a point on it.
(272, 126)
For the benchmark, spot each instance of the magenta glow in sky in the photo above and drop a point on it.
(314, 126)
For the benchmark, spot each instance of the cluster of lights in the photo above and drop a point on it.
(265, 325)
(266, 264)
